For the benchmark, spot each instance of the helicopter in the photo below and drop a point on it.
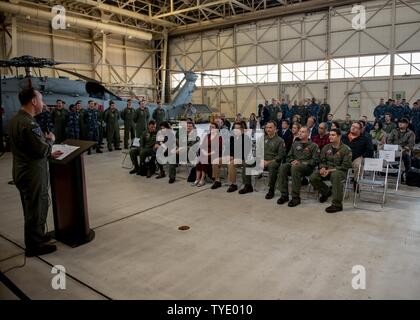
(84, 89)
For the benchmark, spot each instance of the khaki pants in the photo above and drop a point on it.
(231, 169)
(357, 165)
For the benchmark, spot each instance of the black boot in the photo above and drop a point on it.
(246, 189)
(324, 198)
(270, 194)
(294, 202)
(135, 170)
(283, 199)
(40, 250)
(161, 174)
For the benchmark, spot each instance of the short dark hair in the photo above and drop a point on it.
(362, 124)
(58, 100)
(379, 123)
(287, 121)
(151, 122)
(272, 122)
(165, 124)
(404, 120)
(337, 125)
(26, 95)
(337, 131)
(238, 123)
(388, 114)
(128, 100)
(90, 101)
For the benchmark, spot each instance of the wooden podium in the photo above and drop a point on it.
(68, 194)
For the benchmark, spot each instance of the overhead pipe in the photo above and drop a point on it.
(74, 21)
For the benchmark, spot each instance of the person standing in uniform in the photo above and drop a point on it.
(92, 125)
(58, 117)
(112, 127)
(335, 161)
(72, 123)
(300, 162)
(44, 120)
(128, 115)
(324, 111)
(159, 114)
(82, 123)
(31, 149)
(141, 119)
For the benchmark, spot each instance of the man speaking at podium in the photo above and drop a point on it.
(31, 148)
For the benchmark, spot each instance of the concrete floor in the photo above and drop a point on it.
(238, 247)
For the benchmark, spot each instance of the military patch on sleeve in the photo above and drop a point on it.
(37, 131)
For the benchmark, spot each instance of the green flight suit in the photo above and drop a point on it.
(128, 115)
(159, 115)
(112, 128)
(30, 151)
(59, 122)
(338, 159)
(147, 142)
(308, 155)
(274, 149)
(141, 118)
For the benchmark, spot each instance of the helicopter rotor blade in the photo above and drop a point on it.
(179, 65)
(198, 60)
(81, 76)
(177, 87)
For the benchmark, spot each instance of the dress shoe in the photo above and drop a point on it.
(118, 149)
(171, 180)
(216, 185)
(232, 188)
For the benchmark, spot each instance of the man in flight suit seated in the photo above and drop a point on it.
(148, 147)
(334, 163)
(274, 153)
(301, 160)
(31, 148)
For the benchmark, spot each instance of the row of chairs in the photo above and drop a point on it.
(373, 175)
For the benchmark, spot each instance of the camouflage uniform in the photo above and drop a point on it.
(128, 115)
(308, 155)
(73, 125)
(44, 121)
(92, 124)
(340, 160)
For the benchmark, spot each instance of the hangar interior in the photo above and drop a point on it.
(238, 246)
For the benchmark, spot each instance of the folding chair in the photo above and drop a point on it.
(368, 179)
(392, 153)
(134, 143)
(347, 188)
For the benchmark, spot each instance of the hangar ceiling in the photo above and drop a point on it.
(179, 16)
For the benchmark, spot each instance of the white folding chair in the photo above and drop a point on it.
(392, 153)
(368, 179)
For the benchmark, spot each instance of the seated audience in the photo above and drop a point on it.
(322, 138)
